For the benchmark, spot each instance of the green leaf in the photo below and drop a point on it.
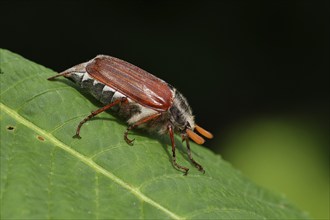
(46, 174)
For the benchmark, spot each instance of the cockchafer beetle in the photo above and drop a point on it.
(140, 97)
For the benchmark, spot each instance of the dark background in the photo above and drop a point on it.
(233, 60)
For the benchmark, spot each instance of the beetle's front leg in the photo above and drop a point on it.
(171, 132)
(197, 165)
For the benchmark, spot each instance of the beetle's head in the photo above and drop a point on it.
(183, 120)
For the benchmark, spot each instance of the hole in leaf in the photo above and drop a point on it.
(10, 128)
(41, 138)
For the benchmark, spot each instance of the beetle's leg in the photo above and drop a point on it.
(197, 165)
(185, 169)
(94, 113)
(141, 121)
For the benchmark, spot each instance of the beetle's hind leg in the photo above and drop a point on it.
(94, 113)
(139, 122)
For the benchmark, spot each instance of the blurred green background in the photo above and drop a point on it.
(256, 73)
(285, 154)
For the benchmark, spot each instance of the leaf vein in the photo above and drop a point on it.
(17, 83)
(5, 179)
(50, 183)
(35, 96)
(97, 197)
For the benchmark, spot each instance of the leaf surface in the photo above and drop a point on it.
(45, 173)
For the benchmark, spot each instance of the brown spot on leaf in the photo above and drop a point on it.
(41, 138)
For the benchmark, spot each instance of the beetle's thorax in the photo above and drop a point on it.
(181, 113)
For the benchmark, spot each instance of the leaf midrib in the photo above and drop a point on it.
(88, 161)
